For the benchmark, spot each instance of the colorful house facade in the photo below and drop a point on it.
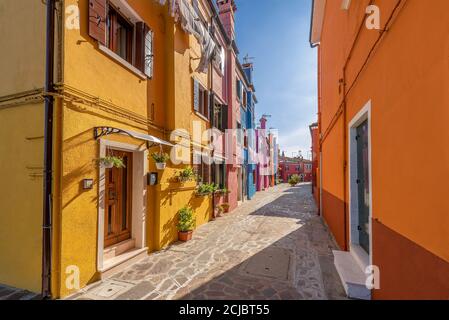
(383, 82)
(250, 136)
(123, 80)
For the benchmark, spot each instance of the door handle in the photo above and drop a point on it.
(359, 228)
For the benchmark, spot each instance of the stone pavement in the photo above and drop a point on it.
(8, 293)
(272, 247)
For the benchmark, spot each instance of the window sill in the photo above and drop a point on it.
(202, 116)
(122, 61)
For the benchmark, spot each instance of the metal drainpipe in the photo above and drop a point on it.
(48, 152)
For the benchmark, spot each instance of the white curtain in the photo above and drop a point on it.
(191, 23)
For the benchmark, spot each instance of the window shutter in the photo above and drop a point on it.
(224, 117)
(144, 49)
(140, 51)
(149, 35)
(212, 109)
(196, 95)
(97, 20)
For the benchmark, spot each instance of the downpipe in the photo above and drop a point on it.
(48, 151)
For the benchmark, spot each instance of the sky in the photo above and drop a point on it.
(276, 34)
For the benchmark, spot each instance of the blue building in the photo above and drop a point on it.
(250, 124)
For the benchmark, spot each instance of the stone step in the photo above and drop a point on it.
(352, 276)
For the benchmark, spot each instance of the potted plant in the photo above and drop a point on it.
(205, 190)
(186, 224)
(110, 162)
(160, 159)
(294, 180)
(186, 175)
(225, 207)
(220, 211)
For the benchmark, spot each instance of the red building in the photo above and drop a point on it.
(291, 166)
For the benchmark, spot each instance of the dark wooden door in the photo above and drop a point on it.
(363, 186)
(118, 202)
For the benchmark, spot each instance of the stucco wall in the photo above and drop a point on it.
(21, 147)
(406, 80)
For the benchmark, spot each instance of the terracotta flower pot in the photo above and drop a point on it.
(185, 236)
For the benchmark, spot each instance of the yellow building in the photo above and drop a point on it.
(125, 79)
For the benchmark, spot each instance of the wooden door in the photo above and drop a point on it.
(117, 226)
(363, 186)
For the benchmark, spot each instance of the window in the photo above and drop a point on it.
(204, 102)
(239, 89)
(220, 117)
(254, 177)
(245, 98)
(239, 133)
(220, 175)
(201, 99)
(201, 169)
(120, 34)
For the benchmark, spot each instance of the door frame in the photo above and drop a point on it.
(140, 166)
(363, 115)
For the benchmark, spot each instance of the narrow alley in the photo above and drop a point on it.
(273, 247)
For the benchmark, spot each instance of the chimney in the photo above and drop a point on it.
(263, 123)
(226, 9)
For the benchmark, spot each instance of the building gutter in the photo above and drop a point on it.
(48, 151)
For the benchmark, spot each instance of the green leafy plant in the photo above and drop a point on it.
(294, 180)
(112, 162)
(186, 219)
(186, 175)
(223, 191)
(160, 157)
(222, 208)
(206, 189)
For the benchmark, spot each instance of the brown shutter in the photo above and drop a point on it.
(97, 20)
(140, 46)
(212, 109)
(224, 117)
(144, 49)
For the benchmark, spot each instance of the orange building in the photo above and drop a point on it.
(383, 102)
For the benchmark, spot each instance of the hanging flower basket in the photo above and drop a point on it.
(110, 162)
(161, 160)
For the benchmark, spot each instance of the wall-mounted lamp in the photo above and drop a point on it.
(88, 184)
(152, 178)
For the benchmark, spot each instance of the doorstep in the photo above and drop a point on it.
(352, 275)
(121, 262)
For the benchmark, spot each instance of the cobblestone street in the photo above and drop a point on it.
(273, 247)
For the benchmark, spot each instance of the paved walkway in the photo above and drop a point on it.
(273, 247)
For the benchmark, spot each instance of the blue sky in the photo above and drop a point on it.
(276, 33)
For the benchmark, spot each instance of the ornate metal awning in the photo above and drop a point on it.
(150, 140)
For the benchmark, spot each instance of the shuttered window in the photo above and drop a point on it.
(113, 30)
(201, 99)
